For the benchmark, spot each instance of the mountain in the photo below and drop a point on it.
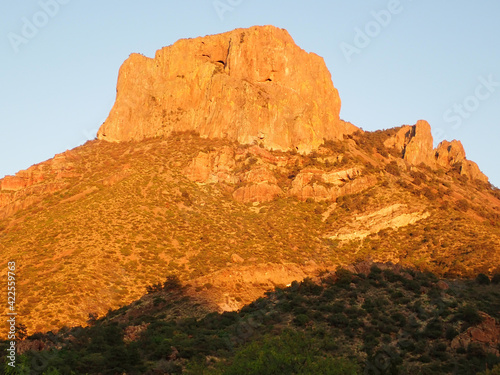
(224, 163)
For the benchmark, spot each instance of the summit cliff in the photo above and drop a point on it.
(246, 85)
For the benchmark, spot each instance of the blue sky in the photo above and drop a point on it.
(393, 62)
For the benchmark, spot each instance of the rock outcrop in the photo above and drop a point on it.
(419, 148)
(250, 85)
(452, 154)
(485, 334)
(25, 188)
(319, 185)
(263, 192)
(415, 143)
(212, 167)
(394, 217)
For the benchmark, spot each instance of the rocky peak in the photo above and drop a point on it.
(414, 142)
(416, 146)
(249, 85)
(450, 153)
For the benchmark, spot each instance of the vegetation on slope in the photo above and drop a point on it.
(387, 320)
(132, 216)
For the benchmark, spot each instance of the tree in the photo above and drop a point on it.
(92, 319)
(172, 283)
(21, 331)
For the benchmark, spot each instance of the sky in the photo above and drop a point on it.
(393, 61)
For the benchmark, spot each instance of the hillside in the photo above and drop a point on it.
(108, 219)
(231, 169)
(378, 319)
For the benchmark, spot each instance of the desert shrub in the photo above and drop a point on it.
(335, 146)
(393, 169)
(338, 319)
(469, 314)
(307, 286)
(494, 371)
(154, 288)
(482, 279)
(391, 276)
(344, 277)
(418, 175)
(451, 333)
(412, 285)
(172, 283)
(352, 202)
(158, 301)
(301, 320)
(399, 318)
(337, 307)
(427, 192)
(434, 329)
(463, 205)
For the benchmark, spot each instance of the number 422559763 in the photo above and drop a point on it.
(11, 286)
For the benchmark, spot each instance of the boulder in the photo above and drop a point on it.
(263, 192)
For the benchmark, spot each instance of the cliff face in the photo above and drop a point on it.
(247, 85)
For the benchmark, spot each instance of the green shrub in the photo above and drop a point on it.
(339, 320)
(495, 279)
(482, 279)
(451, 333)
(494, 371)
(289, 353)
(470, 314)
(301, 320)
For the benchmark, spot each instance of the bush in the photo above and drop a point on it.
(463, 205)
(154, 288)
(289, 353)
(469, 314)
(451, 333)
(482, 279)
(494, 371)
(172, 283)
(307, 286)
(301, 320)
(338, 319)
(393, 169)
(344, 277)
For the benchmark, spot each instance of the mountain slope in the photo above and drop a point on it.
(379, 319)
(131, 213)
(231, 169)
